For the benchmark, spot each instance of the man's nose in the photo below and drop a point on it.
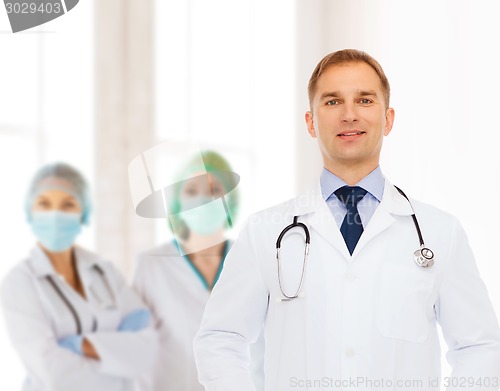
(349, 113)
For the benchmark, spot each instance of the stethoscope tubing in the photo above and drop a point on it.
(306, 252)
(70, 306)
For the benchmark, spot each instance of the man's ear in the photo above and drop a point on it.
(310, 124)
(389, 120)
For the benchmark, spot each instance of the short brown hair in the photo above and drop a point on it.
(347, 56)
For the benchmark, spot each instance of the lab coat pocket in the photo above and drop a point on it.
(404, 300)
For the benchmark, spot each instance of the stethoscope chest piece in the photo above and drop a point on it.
(424, 257)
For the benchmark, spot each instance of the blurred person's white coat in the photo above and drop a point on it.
(37, 317)
(177, 295)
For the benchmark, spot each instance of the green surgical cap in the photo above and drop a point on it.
(213, 163)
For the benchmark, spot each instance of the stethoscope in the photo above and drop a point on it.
(70, 306)
(423, 256)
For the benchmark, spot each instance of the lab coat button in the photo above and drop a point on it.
(349, 352)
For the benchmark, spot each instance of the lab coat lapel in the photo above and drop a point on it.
(85, 262)
(40, 263)
(392, 204)
(321, 219)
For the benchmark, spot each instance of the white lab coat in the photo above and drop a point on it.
(37, 318)
(171, 288)
(369, 317)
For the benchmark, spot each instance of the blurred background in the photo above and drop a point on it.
(113, 78)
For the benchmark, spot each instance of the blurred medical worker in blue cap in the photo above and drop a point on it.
(176, 279)
(71, 317)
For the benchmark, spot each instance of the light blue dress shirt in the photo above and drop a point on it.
(373, 183)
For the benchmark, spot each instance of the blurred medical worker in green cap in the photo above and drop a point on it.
(176, 278)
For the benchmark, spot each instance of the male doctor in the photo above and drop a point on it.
(366, 315)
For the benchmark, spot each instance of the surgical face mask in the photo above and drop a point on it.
(202, 214)
(56, 230)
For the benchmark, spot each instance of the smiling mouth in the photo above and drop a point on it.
(350, 134)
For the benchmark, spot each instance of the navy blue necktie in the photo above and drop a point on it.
(351, 227)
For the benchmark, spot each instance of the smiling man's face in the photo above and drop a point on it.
(349, 116)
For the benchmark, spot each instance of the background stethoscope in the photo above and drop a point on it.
(71, 307)
(423, 256)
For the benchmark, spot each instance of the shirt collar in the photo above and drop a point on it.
(373, 183)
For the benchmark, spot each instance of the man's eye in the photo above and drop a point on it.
(365, 101)
(332, 102)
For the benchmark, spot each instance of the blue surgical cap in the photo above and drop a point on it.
(60, 176)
